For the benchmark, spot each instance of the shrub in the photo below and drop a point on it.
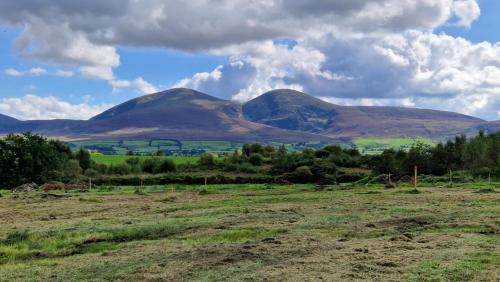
(166, 165)
(133, 161)
(207, 160)
(256, 159)
(120, 169)
(83, 157)
(150, 165)
(302, 174)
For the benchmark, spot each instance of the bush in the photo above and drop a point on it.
(302, 174)
(120, 169)
(166, 165)
(150, 165)
(133, 161)
(256, 159)
(207, 160)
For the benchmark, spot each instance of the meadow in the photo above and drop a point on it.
(252, 232)
(373, 146)
(175, 147)
(120, 159)
(147, 147)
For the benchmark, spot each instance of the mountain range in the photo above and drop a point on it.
(277, 116)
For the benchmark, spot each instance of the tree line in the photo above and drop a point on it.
(33, 158)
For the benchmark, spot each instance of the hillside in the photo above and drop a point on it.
(298, 111)
(176, 113)
(6, 121)
(276, 116)
(290, 109)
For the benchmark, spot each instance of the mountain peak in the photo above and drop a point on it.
(290, 109)
(7, 120)
(158, 102)
(177, 93)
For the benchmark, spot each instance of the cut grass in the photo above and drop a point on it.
(251, 232)
(31, 245)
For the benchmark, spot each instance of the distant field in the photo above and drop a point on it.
(118, 159)
(147, 147)
(377, 145)
(251, 233)
(175, 147)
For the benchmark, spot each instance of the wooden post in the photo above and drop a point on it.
(415, 181)
(90, 183)
(206, 180)
(142, 181)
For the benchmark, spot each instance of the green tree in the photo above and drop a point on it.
(256, 159)
(83, 157)
(207, 160)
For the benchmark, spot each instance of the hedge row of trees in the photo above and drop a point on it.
(480, 156)
(32, 158)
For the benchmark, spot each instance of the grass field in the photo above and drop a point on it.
(251, 232)
(175, 147)
(377, 145)
(146, 147)
(118, 159)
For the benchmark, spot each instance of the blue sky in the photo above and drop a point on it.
(485, 28)
(341, 53)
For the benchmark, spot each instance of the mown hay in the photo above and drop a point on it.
(28, 187)
(51, 186)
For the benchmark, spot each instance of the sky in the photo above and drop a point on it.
(75, 59)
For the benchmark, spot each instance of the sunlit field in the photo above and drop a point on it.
(252, 232)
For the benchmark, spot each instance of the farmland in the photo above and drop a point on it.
(378, 145)
(252, 232)
(120, 159)
(175, 147)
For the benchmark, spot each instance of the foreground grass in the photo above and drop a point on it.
(251, 232)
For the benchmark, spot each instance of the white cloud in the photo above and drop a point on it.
(144, 87)
(199, 78)
(116, 83)
(31, 72)
(64, 73)
(86, 32)
(31, 107)
(97, 72)
(366, 52)
(37, 71)
(467, 11)
(13, 72)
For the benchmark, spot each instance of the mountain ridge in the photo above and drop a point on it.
(278, 115)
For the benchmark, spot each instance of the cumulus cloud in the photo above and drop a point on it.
(97, 72)
(30, 107)
(119, 83)
(31, 72)
(86, 32)
(379, 52)
(64, 73)
(467, 11)
(144, 87)
(13, 72)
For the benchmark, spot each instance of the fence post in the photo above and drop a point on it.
(415, 179)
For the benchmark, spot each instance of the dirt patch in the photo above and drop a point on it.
(52, 186)
(407, 223)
